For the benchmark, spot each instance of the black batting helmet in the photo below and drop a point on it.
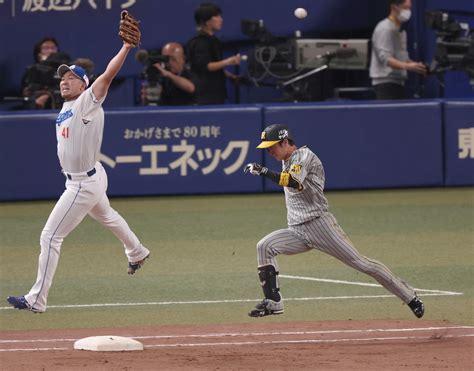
(274, 134)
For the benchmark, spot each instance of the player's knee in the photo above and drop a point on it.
(364, 266)
(262, 247)
(45, 238)
(50, 240)
(266, 248)
(110, 218)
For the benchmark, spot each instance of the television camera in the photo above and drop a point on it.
(41, 78)
(272, 57)
(293, 63)
(151, 77)
(148, 58)
(44, 73)
(454, 45)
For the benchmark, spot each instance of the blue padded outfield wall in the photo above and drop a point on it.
(181, 151)
(459, 143)
(144, 152)
(369, 145)
(203, 150)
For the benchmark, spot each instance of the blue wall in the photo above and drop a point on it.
(92, 32)
(369, 145)
(203, 150)
(459, 143)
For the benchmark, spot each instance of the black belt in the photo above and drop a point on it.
(89, 173)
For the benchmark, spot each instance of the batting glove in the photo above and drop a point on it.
(255, 169)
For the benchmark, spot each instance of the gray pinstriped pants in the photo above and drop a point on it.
(326, 235)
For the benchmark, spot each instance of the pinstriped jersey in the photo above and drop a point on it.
(79, 130)
(309, 203)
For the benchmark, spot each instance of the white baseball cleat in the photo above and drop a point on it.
(133, 267)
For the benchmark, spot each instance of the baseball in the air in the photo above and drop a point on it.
(300, 13)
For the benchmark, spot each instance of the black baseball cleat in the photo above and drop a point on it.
(417, 307)
(133, 267)
(19, 302)
(267, 307)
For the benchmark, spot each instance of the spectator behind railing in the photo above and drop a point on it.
(205, 56)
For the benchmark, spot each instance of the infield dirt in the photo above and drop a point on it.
(328, 345)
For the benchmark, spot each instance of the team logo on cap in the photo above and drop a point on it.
(263, 136)
(282, 134)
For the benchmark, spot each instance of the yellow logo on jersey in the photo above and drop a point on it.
(295, 169)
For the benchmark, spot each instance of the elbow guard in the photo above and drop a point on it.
(286, 180)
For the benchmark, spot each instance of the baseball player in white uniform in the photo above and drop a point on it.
(310, 224)
(79, 129)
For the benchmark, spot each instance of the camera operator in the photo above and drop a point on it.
(390, 61)
(177, 81)
(39, 85)
(205, 56)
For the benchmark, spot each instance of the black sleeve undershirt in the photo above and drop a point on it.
(284, 179)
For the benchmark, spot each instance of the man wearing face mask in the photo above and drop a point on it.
(390, 61)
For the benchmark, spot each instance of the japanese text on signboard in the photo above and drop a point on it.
(188, 157)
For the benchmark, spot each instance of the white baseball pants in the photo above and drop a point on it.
(83, 195)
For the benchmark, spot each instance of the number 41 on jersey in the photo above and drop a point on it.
(65, 132)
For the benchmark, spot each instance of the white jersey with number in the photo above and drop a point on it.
(79, 130)
(309, 203)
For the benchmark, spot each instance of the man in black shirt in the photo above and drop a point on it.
(177, 83)
(205, 56)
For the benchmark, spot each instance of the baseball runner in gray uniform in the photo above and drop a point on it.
(79, 129)
(310, 224)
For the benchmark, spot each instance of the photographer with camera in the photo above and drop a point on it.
(177, 83)
(205, 56)
(166, 80)
(39, 85)
(390, 60)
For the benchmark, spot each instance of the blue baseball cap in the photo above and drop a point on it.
(79, 72)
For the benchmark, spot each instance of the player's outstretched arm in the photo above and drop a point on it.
(100, 87)
(129, 32)
(284, 178)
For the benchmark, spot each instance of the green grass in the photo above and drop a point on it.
(203, 248)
